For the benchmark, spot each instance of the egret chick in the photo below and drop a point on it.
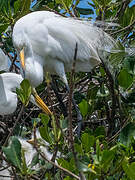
(8, 103)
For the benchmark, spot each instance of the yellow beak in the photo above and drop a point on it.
(22, 58)
(40, 103)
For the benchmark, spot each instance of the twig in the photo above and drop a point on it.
(113, 95)
(51, 162)
(4, 176)
(58, 166)
(12, 63)
(118, 132)
(124, 29)
(52, 10)
(17, 120)
(71, 140)
(35, 177)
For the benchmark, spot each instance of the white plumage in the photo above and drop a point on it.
(49, 42)
(8, 84)
(8, 102)
(3, 61)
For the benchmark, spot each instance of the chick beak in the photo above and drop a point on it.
(40, 103)
(31, 141)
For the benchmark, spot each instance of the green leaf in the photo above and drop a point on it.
(129, 168)
(17, 6)
(92, 91)
(127, 133)
(24, 165)
(100, 131)
(87, 141)
(65, 3)
(35, 160)
(83, 167)
(24, 92)
(45, 133)
(13, 152)
(78, 148)
(70, 165)
(83, 106)
(3, 27)
(107, 158)
(44, 118)
(84, 11)
(125, 79)
(25, 6)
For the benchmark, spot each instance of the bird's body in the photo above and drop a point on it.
(8, 84)
(46, 42)
(49, 42)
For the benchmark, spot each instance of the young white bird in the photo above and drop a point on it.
(8, 103)
(29, 154)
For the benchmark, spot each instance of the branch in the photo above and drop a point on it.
(124, 29)
(51, 162)
(17, 120)
(71, 139)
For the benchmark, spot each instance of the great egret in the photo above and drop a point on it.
(46, 42)
(8, 102)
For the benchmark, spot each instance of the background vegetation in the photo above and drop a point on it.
(106, 148)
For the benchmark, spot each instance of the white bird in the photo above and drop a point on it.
(8, 102)
(46, 42)
(8, 84)
(29, 154)
(3, 61)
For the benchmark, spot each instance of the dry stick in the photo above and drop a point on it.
(51, 162)
(113, 95)
(124, 29)
(71, 139)
(52, 10)
(17, 120)
(110, 140)
(12, 64)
